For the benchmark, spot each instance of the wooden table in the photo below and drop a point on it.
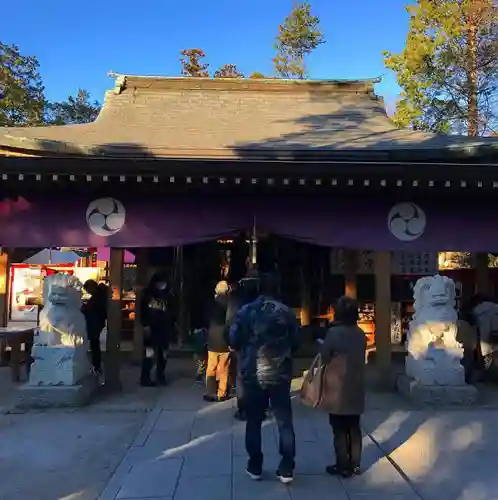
(15, 337)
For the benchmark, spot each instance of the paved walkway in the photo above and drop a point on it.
(185, 449)
(188, 450)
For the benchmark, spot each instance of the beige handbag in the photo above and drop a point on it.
(323, 385)
(312, 388)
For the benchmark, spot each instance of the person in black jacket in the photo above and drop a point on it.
(95, 312)
(218, 363)
(157, 314)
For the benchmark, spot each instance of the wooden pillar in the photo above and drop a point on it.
(142, 262)
(183, 323)
(305, 315)
(383, 318)
(482, 281)
(114, 320)
(4, 297)
(350, 271)
(4, 287)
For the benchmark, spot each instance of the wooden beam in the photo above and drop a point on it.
(383, 318)
(142, 262)
(350, 272)
(114, 320)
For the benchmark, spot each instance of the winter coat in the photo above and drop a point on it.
(264, 335)
(466, 335)
(344, 350)
(486, 318)
(95, 312)
(217, 338)
(157, 311)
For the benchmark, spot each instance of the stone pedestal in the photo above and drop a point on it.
(436, 395)
(58, 365)
(57, 396)
(59, 377)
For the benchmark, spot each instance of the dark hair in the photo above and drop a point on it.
(346, 311)
(158, 277)
(90, 285)
(268, 284)
(248, 289)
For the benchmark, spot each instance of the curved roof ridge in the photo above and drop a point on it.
(154, 83)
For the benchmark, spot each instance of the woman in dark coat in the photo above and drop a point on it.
(344, 350)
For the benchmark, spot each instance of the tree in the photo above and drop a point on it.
(75, 110)
(22, 98)
(448, 70)
(257, 74)
(192, 65)
(297, 37)
(228, 71)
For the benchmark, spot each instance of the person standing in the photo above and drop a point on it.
(157, 315)
(467, 336)
(484, 311)
(95, 312)
(218, 362)
(264, 335)
(247, 290)
(343, 350)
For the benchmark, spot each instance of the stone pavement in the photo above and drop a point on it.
(188, 449)
(62, 455)
(166, 444)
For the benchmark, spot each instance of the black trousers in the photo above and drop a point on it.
(155, 352)
(95, 352)
(347, 440)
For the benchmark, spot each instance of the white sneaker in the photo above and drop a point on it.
(253, 476)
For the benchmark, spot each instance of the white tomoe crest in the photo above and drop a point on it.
(406, 221)
(105, 216)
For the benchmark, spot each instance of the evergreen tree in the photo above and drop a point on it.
(297, 37)
(22, 100)
(448, 70)
(75, 110)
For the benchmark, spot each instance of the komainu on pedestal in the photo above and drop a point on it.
(60, 373)
(434, 373)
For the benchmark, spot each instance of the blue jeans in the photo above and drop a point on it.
(257, 399)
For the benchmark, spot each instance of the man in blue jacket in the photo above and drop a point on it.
(264, 335)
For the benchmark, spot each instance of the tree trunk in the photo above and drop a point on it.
(472, 80)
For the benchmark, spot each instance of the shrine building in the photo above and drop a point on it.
(172, 162)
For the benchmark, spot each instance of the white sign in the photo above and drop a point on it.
(26, 287)
(406, 221)
(105, 216)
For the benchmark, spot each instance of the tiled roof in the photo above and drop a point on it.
(217, 118)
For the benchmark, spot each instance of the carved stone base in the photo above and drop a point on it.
(30, 397)
(436, 395)
(58, 365)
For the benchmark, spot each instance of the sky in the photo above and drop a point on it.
(77, 44)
